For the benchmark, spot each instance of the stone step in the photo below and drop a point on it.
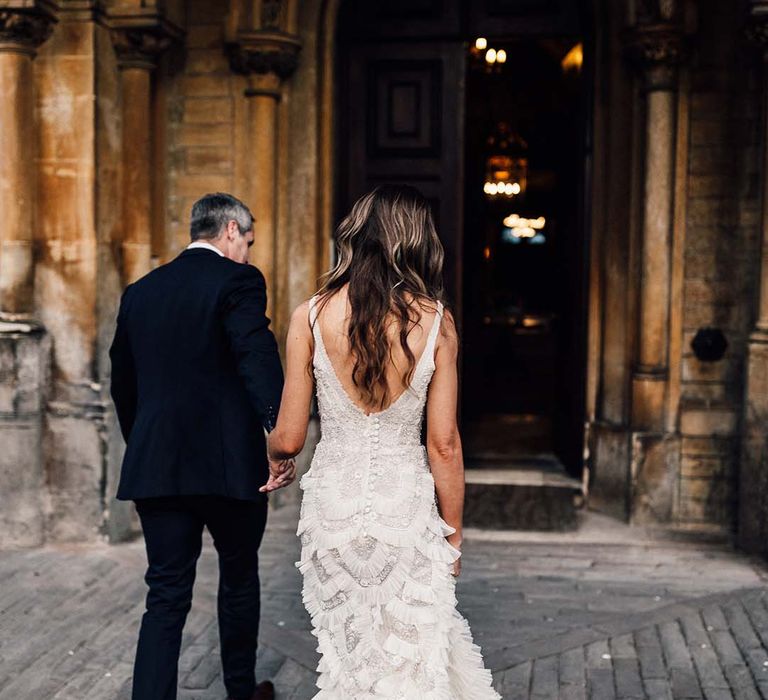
(521, 496)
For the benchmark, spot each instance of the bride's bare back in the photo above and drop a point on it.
(333, 322)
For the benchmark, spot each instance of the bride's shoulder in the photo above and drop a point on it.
(302, 310)
(299, 324)
(448, 334)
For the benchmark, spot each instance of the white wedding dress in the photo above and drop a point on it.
(375, 561)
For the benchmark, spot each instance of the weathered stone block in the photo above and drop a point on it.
(705, 511)
(204, 135)
(704, 467)
(24, 357)
(749, 216)
(705, 291)
(711, 392)
(711, 264)
(707, 131)
(694, 370)
(204, 86)
(708, 420)
(209, 159)
(724, 316)
(655, 468)
(706, 488)
(21, 482)
(206, 110)
(710, 104)
(193, 186)
(610, 488)
(207, 61)
(707, 157)
(21, 373)
(69, 39)
(205, 36)
(701, 213)
(707, 185)
(710, 446)
(74, 447)
(705, 243)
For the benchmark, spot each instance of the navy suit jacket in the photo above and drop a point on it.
(196, 378)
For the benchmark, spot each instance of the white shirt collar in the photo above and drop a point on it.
(203, 244)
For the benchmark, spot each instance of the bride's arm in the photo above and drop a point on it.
(443, 440)
(290, 432)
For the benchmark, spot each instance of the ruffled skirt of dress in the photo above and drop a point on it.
(383, 609)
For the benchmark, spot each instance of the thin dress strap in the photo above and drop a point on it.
(429, 349)
(314, 325)
(313, 309)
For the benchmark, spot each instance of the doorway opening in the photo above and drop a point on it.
(525, 254)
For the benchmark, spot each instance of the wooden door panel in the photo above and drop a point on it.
(405, 105)
(404, 124)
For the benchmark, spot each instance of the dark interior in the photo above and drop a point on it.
(523, 322)
(418, 104)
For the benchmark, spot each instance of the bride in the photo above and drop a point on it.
(381, 514)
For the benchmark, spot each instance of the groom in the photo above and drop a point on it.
(196, 379)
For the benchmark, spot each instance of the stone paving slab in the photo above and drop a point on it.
(573, 618)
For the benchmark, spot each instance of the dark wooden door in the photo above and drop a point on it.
(401, 116)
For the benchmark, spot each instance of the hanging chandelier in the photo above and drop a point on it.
(520, 227)
(506, 165)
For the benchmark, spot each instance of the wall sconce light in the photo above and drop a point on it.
(492, 59)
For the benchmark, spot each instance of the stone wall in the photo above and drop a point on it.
(102, 215)
(722, 246)
(201, 102)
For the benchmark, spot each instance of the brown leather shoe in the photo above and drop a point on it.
(264, 691)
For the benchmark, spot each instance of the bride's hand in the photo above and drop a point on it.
(455, 541)
(281, 473)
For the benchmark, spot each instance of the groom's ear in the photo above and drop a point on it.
(233, 230)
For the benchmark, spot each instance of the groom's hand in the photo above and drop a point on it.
(281, 473)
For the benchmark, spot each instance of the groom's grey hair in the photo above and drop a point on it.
(211, 213)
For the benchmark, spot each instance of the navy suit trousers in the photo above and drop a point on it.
(173, 529)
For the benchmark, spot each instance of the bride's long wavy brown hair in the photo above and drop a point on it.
(389, 255)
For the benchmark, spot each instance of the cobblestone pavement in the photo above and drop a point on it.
(607, 613)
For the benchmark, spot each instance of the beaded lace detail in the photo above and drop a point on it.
(375, 561)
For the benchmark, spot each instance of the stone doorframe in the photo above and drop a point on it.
(636, 413)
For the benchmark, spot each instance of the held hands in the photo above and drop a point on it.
(282, 472)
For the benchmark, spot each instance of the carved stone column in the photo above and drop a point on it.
(656, 48)
(138, 41)
(24, 345)
(24, 25)
(267, 57)
(753, 477)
